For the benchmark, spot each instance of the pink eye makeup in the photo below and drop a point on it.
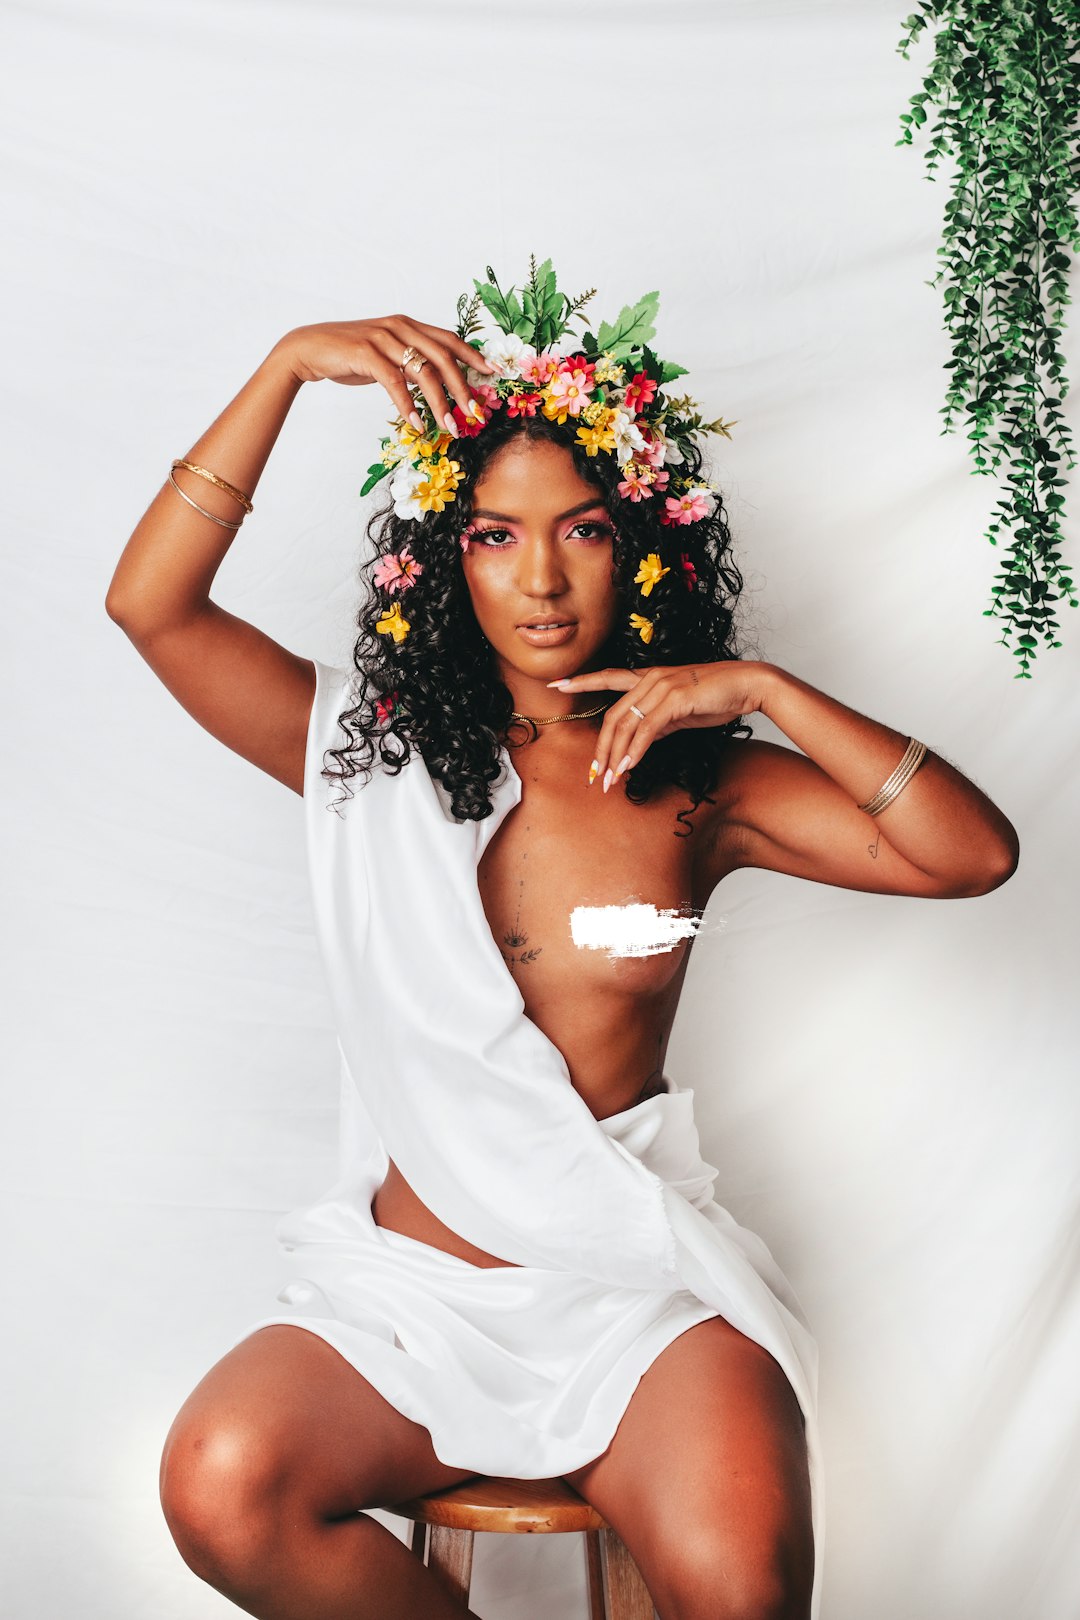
(487, 534)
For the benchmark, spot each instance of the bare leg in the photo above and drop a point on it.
(264, 1473)
(707, 1482)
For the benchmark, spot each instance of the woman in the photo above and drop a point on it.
(682, 1405)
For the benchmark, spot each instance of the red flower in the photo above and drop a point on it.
(689, 571)
(579, 362)
(639, 391)
(470, 425)
(523, 404)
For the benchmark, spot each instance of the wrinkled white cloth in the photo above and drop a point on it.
(618, 1242)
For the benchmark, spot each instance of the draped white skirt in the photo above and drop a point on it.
(514, 1370)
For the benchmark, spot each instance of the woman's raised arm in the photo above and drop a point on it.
(239, 684)
(245, 689)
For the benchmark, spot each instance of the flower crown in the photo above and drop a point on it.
(611, 387)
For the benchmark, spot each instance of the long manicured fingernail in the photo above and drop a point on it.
(594, 771)
(417, 421)
(564, 680)
(451, 425)
(623, 763)
(608, 774)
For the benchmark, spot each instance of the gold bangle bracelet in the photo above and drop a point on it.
(230, 489)
(913, 756)
(225, 524)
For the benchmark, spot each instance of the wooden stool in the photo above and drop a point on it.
(525, 1507)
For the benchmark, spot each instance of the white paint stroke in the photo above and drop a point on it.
(631, 930)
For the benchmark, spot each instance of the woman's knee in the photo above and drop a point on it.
(223, 1486)
(708, 1572)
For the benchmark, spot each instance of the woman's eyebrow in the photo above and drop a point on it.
(505, 517)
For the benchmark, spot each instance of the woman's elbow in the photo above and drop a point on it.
(998, 865)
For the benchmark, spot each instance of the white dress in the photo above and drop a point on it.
(618, 1242)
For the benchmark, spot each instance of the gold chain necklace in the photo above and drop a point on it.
(580, 714)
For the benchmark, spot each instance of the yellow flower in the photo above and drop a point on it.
(593, 412)
(443, 479)
(393, 624)
(554, 411)
(596, 438)
(418, 444)
(643, 626)
(650, 571)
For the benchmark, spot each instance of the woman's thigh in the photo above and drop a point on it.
(284, 1421)
(707, 1482)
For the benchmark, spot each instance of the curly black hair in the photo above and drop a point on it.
(439, 691)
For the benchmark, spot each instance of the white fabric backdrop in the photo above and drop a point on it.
(885, 1084)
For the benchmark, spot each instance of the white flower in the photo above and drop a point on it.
(672, 453)
(403, 484)
(506, 352)
(628, 436)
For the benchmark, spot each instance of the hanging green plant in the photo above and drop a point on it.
(1006, 80)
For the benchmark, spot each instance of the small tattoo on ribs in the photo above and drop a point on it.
(516, 937)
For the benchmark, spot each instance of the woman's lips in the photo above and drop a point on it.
(543, 636)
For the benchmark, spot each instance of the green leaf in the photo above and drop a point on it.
(634, 326)
(505, 309)
(376, 472)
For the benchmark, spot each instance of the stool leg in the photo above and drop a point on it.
(450, 1555)
(594, 1575)
(627, 1595)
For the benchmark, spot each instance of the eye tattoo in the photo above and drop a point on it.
(515, 937)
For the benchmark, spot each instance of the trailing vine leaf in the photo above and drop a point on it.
(1005, 77)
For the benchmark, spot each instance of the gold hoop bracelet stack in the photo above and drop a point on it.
(221, 483)
(914, 754)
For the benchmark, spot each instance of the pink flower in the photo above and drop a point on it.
(639, 392)
(397, 570)
(645, 480)
(539, 368)
(487, 395)
(523, 404)
(634, 486)
(685, 508)
(568, 392)
(653, 453)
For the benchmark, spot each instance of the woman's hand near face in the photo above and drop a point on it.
(799, 810)
(671, 696)
(370, 351)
